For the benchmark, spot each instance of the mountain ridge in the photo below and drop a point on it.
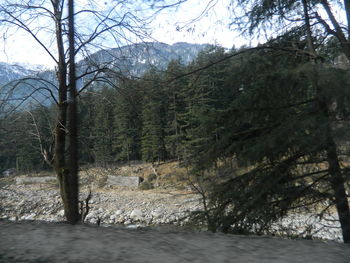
(130, 61)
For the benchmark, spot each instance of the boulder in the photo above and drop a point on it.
(158, 212)
(136, 214)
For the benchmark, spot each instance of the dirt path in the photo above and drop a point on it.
(50, 242)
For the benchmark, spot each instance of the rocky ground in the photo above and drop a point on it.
(166, 204)
(143, 226)
(23, 202)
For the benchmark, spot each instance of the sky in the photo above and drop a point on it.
(169, 26)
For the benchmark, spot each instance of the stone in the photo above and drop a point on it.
(61, 213)
(158, 212)
(29, 217)
(136, 214)
(118, 212)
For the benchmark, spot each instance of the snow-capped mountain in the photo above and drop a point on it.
(134, 60)
(11, 72)
(131, 61)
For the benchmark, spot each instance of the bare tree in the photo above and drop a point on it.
(52, 25)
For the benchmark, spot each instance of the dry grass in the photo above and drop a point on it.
(167, 175)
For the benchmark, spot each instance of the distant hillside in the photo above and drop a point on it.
(134, 60)
(10, 72)
(131, 61)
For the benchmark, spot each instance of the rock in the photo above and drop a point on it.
(119, 212)
(61, 213)
(28, 217)
(158, 212)
(136, 214)
(135, 226)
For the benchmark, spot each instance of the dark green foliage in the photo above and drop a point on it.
(127, 123)
(209, 94)
(276, 129)
(175, 92)
(153, 119)
(20, 139)
(86, 113)
(103, 132)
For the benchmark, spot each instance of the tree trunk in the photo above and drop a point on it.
(60, 129)
(73, 188)
(67, 176)
(338, 186)
(336, 178)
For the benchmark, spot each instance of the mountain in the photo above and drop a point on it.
(130, 61)
(134, 60)
(11, 72)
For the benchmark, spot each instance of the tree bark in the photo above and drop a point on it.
(73, 200)
(66, 168)
(338, 32)
(337, 180)
(338, 186)
(60, 129)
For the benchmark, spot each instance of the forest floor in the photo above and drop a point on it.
(30, 242)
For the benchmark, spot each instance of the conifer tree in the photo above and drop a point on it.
(276, 129)
(175, 90)
(209, 93)
(153, 119)
(127, 123)
(104, 133)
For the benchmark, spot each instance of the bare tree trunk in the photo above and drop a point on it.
(60, 129)
(66, 168)
(72, 124)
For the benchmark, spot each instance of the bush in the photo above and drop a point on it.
(146, 185)
(151, 177)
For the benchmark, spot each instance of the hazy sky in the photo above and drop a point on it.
(170, 26)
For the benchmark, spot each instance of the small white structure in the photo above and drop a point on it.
(123, 181)
(36, 180)
(9, 172)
